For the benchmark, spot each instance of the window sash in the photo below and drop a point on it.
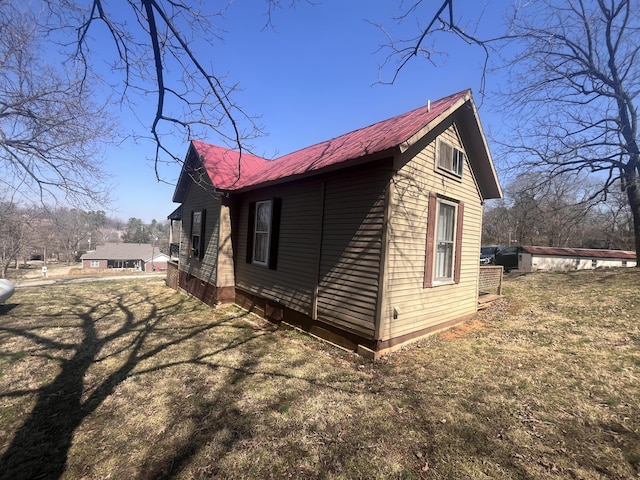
(450, 158)
(196, 223)
(196, 239)
(262, 232)
(442, 236)
(445, 241)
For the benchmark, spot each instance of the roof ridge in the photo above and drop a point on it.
(345, 149)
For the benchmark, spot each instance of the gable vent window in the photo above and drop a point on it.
(450, 158)
(263, 232)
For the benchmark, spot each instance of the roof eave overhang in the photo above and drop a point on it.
(184, 178)
(176, 215)
(484, 168)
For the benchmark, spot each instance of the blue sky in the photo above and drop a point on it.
(312, 78)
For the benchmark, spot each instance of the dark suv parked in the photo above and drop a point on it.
(488, 254)
(508, 258)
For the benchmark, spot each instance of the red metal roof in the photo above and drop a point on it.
(580, 252)
(222, 164)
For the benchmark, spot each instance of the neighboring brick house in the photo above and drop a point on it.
(126, 256)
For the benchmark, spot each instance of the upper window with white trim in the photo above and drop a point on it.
(449, 158)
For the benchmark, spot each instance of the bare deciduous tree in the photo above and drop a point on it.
(557, 212)
(160, 48)
(52, 120)
(434, 26)
(16, 232)
(574, 90)
(50, 128)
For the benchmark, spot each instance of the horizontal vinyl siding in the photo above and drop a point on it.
(351, 247)
(419, 308)
(199, 198)
(292, 283)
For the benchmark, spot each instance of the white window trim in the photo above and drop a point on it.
(266, 232)
(449, 279)
(455, 152)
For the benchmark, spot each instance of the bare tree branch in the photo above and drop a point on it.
(154, 49)
(575, 90)
(440, 25)
(49, 134)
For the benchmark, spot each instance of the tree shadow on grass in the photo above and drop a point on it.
(7, 307)
(40, 447)
(89, 334)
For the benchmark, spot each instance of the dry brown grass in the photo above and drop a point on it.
(128, 379)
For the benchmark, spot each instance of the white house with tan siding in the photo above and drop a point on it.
(369, 239)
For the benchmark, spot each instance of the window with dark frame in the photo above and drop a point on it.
(263, 232)
(197, 234)
(450, 158)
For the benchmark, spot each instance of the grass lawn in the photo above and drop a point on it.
(131, 380)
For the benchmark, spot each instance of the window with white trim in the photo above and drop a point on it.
(445, 241)
(450, 158)
(262, 232)
(95, 263)
(443, 248)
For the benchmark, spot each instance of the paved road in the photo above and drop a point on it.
(65, 280)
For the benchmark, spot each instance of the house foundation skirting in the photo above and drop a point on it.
(387, 346)
(203, 290)
(282, 315)
(366, 347)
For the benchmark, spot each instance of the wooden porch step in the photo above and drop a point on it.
(485, 300)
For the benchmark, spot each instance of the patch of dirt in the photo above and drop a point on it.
(462, 330)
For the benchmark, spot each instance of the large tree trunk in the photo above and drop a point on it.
(633, 194)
